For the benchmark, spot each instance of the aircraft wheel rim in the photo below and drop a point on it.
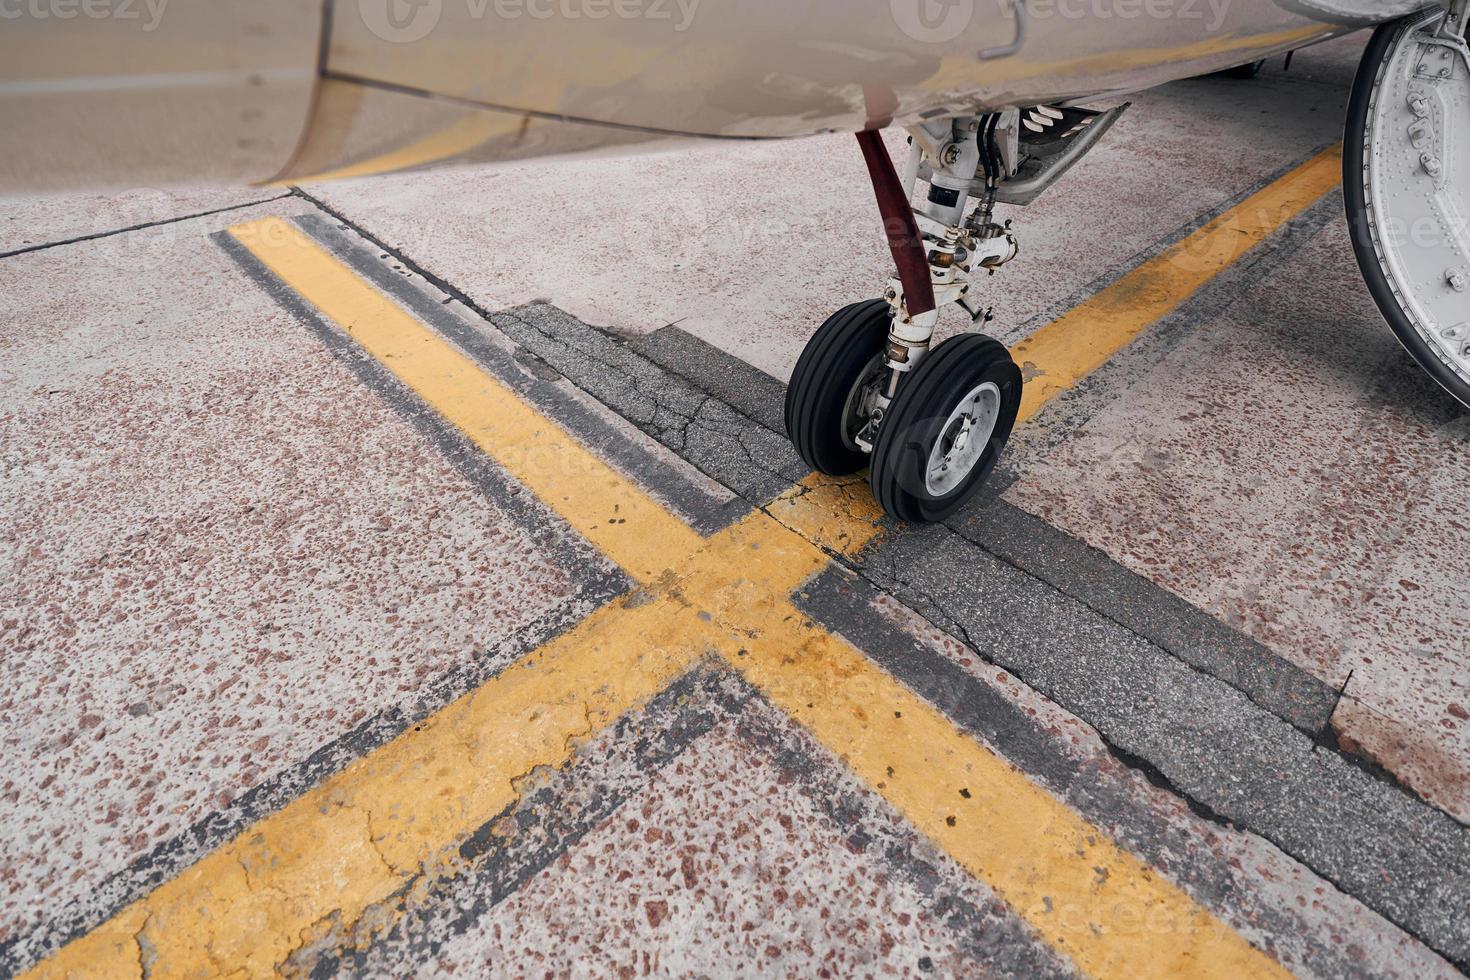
(963, 439)
(1408, 173)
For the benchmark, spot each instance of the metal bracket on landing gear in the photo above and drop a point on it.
(1457, 21)
(1044, 162)
(1450, 36)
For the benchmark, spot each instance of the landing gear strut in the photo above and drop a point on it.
(868, 390)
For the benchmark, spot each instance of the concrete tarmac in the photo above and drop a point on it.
(410, 575)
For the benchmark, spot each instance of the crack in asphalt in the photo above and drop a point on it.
(675, 419)
(1092, 607)
(661, 399)
(111, 232)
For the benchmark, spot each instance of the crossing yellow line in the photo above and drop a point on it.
(357, 837)
(1098, 904)
(326, 858)
(1070, 348)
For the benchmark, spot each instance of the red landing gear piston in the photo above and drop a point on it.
(899, 226)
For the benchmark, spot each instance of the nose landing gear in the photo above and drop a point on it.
(867, 389)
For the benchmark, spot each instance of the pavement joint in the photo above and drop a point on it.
(745, 388)
(803, 638)
(720, 442)
(740, 577)
(1101, 783)
(956, 626)
(1343, 747)
(1281, 687)
(1036, 549)
(139, 227)
(701, 506)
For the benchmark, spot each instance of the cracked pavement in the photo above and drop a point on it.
(309, 677)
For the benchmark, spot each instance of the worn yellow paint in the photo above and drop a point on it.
(623, 521)
(1107, 910)
(838, 514)
(1065, 351)
(357, 837)
(352, 841)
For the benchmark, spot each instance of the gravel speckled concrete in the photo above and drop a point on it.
(1295, 420)
(723, 865)
(221, 551)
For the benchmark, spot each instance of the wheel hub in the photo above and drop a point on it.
(861, 405)
(963, 439)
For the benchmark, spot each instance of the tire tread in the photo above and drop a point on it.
(956, 357)
(852, 334)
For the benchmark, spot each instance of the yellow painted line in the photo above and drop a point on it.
(838, 514)
(1065, 351)
(330, 855)
(623, 521)
(355, 839)
(1098, 904)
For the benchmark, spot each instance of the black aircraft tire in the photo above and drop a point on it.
(835, 360)
(919, 418)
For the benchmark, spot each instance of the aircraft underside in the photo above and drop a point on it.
(289, 89)
(930, 424)
(996, 98)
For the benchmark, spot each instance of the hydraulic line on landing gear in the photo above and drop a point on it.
(902, 231)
